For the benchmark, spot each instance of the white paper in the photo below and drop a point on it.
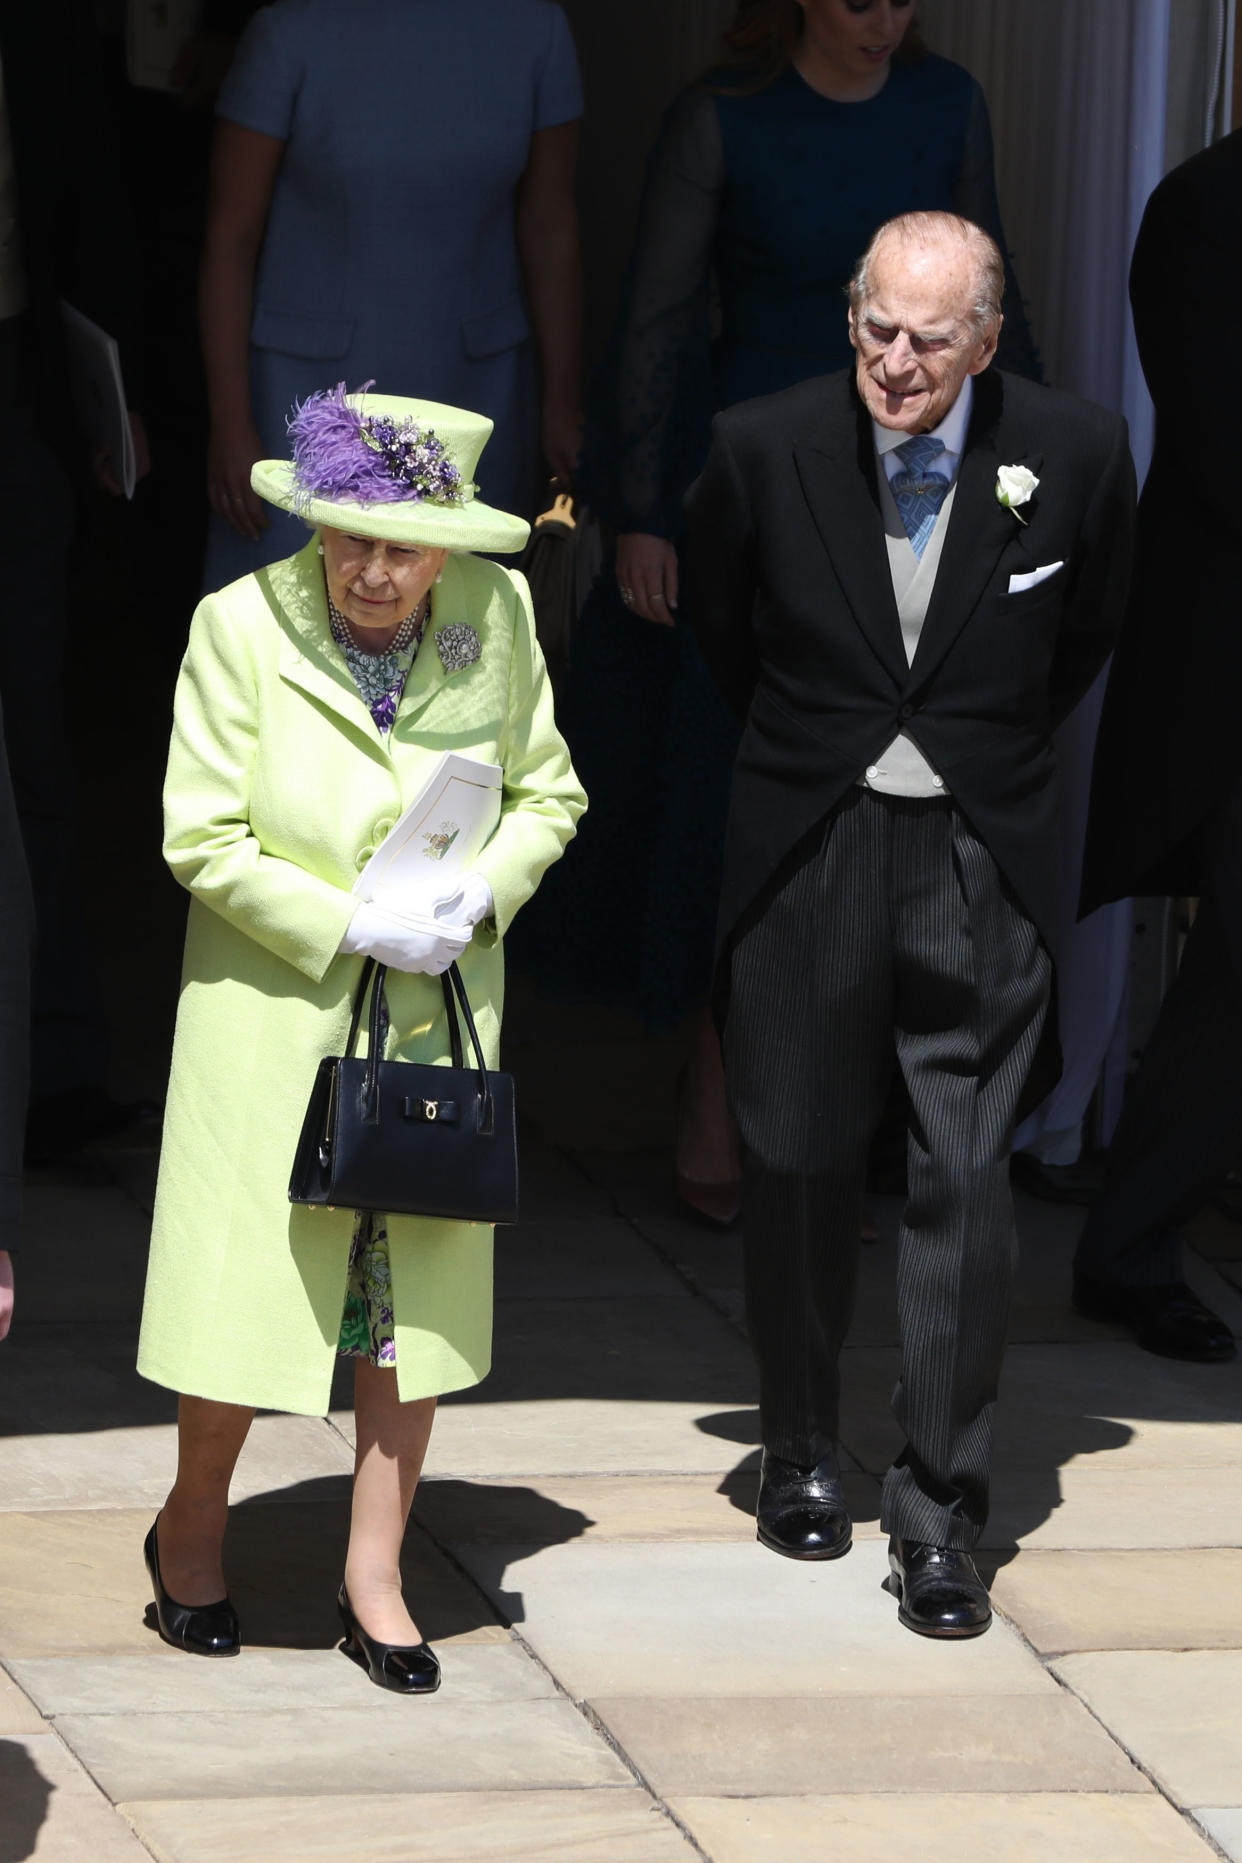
(99, 393)
(1032, 578)
(440, 834)
(155, 31)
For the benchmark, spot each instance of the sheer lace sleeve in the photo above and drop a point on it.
(650, 411)
(976, 200)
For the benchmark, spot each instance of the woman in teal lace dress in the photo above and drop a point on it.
(770, 175)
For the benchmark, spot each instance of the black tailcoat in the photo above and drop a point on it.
(792, 599)
(1169, 746)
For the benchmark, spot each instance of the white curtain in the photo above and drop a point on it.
(1079, 99)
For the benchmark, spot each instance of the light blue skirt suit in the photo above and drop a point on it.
(390, 251)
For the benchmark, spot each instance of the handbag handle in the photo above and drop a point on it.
(451, 984)
(360, 997)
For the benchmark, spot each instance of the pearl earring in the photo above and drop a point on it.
(440, 575)
(319, 548)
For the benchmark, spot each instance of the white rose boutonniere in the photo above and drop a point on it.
(1014, 486)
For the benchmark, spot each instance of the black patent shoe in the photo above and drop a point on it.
(411, 1669)
(801, 1512)
(1169, 1320)
(938, 1591)
(202, 1629)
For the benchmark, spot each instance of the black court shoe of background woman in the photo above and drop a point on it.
(406, 1669)
(200, 1629)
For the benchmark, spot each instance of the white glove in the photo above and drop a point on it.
(375, 932)
(469, 901)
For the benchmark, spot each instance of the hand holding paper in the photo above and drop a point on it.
(424, 870)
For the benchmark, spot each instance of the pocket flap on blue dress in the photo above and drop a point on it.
(296, 335)
(494, 330)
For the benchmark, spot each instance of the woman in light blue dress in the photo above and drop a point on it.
(392, 199)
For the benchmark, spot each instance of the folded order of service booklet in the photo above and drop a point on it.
(441, 833)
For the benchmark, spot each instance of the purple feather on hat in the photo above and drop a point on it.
(342, 455)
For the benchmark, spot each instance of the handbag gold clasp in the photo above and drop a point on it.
(431, 1109)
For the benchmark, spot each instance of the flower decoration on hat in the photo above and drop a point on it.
(341, 454)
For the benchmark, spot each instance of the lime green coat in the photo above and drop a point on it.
(279, 789)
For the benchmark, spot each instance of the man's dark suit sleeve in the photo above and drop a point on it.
(1099, 582)
(720, 573)
(16, 923)
(1187, 276)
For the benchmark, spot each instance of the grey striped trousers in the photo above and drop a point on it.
(894, 932)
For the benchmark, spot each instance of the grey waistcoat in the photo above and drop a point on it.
(903, 770)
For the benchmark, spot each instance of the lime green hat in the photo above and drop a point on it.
(392, 467)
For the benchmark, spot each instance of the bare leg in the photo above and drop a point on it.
(707, 1141)
(392, 1440)
(191, 1526)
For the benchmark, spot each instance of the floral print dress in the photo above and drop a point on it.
(367, 1322)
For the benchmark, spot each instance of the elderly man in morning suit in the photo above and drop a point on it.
(904, 577)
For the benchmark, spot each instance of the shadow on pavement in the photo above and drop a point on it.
(24, 1798)
(285, 1554)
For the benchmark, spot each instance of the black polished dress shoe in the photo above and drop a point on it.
(409, 1669)
(202, 1629)
(1170, 1320)
(801, 1511)
(938, 1591)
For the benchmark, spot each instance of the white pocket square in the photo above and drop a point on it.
(1032, 578)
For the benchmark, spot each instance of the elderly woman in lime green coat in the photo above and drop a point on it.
(282, 782)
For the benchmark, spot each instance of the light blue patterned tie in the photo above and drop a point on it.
(919, 493)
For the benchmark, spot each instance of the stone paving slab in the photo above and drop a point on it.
(612, 1825)
(641, 1187)
(612, 1507)
(426, 1744)
(1089, 1505)
(259, 1681)
(1061, 1404)
(1124, 1600)
(574, 1436)
(631, 1100)
(575, 1259)
(594, 1386)
(1216, 1235)
(91, 1259)
(75, 1581)
(741, 1746)
(136, 1169)
(18, 1714)
(1177, 1712)
(687, 1620)
(113, 1464)
(1009, 1827)
(76, 1377)
(1225, 1829)
(669, 1350)
(52, 1812)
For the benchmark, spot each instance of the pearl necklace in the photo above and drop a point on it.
(411, 629)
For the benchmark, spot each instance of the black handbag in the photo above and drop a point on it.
(409, 1137)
